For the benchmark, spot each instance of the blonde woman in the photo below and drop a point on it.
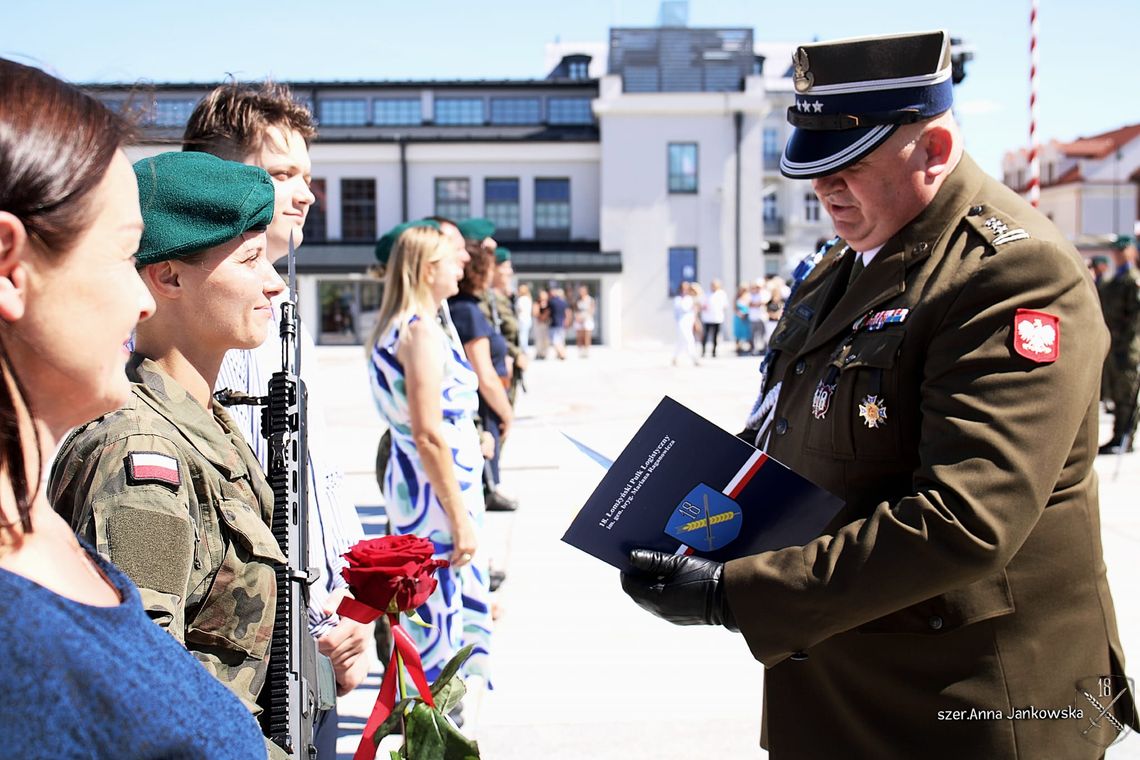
(429, 395)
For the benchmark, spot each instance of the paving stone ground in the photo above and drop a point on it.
(581, 672)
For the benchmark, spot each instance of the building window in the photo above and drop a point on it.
(682, 268)
(811, 207)
(396, 112)
(459, 111)
(172, 113)
(515, 111)
(453, 198)
(569, 111)
(771, 207)
(771, 145)
(343, 112)
(552, 209)
(579, 70)
(501, 206)
(348, 310)
(316, 223)
(358, 210)
(304, 100)
(682, 167)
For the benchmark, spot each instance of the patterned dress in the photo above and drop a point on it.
(459, 611)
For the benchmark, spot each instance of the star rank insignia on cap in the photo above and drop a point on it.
(1037, 335)
(152, 467)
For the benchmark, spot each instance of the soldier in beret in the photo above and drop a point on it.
(939, 370)
(1120, 299)
(166, 486)
(265, 126)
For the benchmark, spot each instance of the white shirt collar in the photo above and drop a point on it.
(869, 255)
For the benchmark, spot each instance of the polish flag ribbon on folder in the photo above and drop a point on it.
(684, 485)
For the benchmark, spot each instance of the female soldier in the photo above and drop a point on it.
(85, 673)
(166, 486)
(428, 393)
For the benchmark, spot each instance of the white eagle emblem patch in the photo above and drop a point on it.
(1037, 335)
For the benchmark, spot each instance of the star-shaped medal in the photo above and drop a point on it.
(873, 411)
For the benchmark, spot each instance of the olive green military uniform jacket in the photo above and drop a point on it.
(1120, 297)
(500, 312)
(173, 495)
(965, 572)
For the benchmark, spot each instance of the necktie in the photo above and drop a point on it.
(856, 269)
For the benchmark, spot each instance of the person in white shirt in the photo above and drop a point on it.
(714, 308)
(758, 297)
(685, 317)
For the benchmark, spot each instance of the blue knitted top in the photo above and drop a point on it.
(80, 681)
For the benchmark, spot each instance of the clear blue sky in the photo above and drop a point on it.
(1089, 76)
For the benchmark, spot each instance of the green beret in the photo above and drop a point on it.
(388, 239)
(194, 201)
(502, 254)
(1123, 241)
(476, 229)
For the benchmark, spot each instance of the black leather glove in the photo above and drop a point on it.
(683, 590)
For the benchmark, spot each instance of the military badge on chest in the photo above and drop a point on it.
(873, 410)
(821, 399)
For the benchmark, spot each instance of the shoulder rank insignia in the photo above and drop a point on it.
(1037, 335)
(1002, 233)
(152, 467)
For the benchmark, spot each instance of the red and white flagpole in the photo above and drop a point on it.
(1034, 162)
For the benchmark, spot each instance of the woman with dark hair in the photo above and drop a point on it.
(486, 349)
(85, 672)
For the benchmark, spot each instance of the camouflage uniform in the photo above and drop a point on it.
(173, 495)
(1120, 299)
(500, 312)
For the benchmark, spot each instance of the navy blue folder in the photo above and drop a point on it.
(685, 485)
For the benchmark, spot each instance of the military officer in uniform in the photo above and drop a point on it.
(939, 370)
(166, 487)
(1120, 299)
(500, 305)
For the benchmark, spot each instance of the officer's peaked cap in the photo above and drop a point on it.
(851, 95)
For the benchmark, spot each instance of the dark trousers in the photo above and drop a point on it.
(712, 329)
(491, 425)
(324, 735)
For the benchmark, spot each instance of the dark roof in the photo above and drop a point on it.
(527, 256)
(362, 84)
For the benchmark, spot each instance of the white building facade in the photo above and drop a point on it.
(1089, 187)
(665, 168)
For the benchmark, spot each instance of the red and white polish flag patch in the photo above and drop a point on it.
(152, 467)
(1037, 335)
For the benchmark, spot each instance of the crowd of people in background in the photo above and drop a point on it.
(699, 317)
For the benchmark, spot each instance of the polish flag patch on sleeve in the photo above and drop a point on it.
(152, 467)
(1037, 335)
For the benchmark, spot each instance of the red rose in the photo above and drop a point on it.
(392, 573)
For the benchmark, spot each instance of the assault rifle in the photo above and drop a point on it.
(289, 698)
